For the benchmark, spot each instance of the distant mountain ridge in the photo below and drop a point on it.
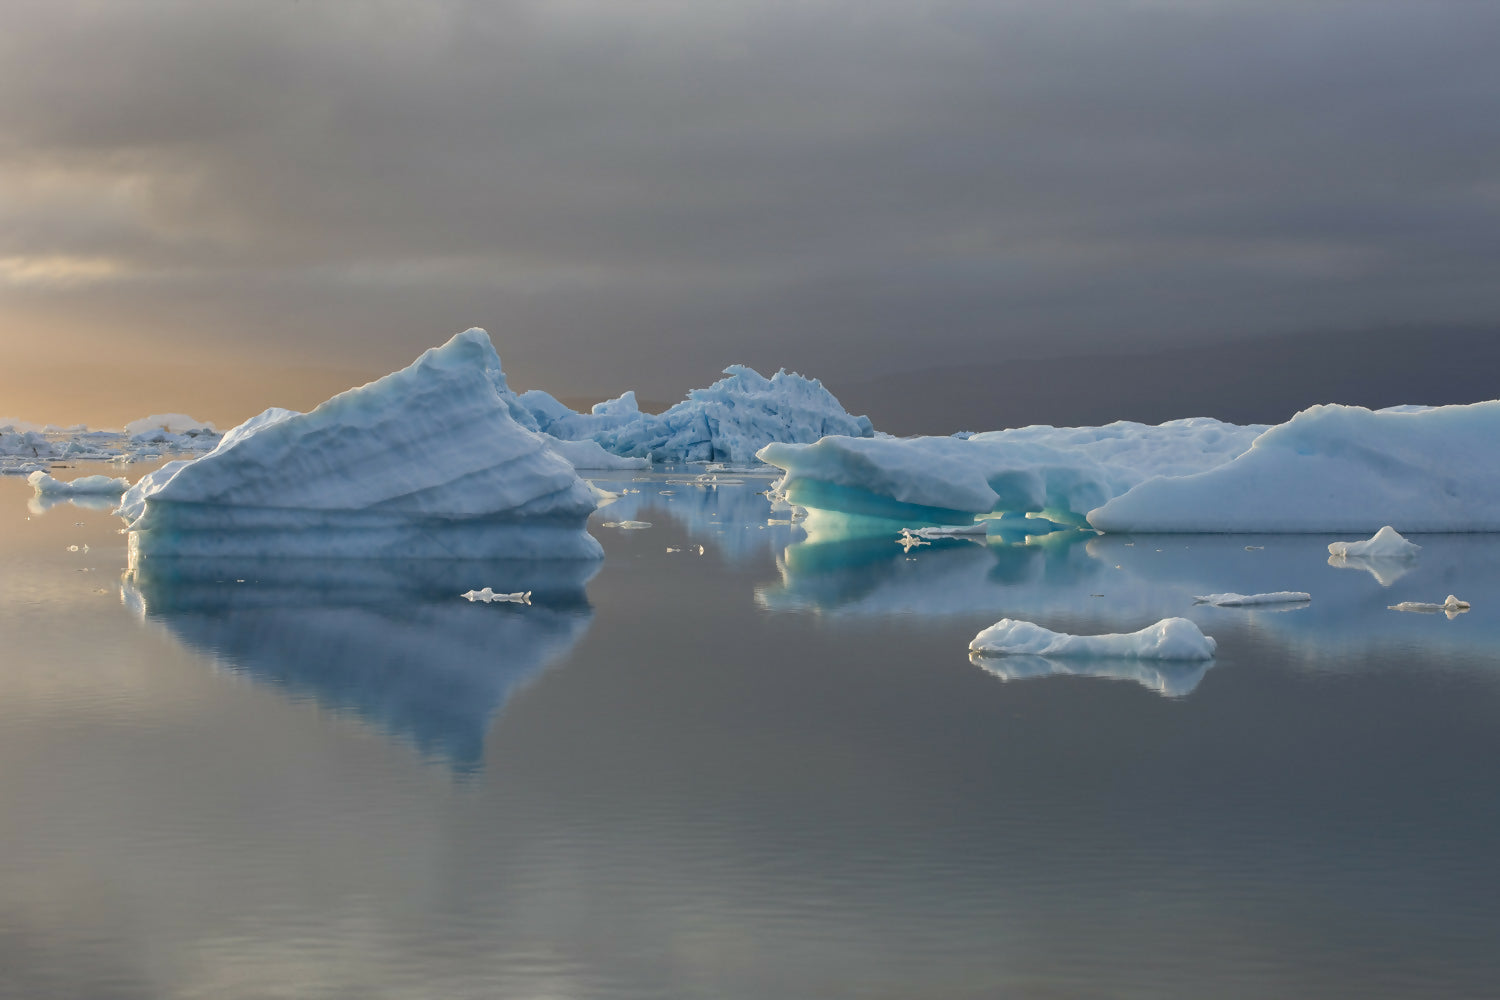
(1260, 380)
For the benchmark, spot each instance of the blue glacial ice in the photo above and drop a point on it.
(1329, 468)
(1060, 472)
(728, 421)
(429, 461)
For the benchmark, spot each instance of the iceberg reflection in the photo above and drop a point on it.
(1118, 582)
(390, 642)
(1169, 678)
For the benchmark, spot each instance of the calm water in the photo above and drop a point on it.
(768, 770)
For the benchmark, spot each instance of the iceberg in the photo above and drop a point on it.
(1335, 468)
(728, 421)
(1168, 639)
(430, 461)
(98, 486)
(169, 423)
(1386, 543)
(1061, 473)
(1250, 600)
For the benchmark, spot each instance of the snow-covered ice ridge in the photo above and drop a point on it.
(727, 422)
(428, 461)
(26, 447)
(1329, 468)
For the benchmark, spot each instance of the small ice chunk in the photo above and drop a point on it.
(1168, 639)
(1386, 543)
(488, 596)
(950, 530)
(96, 486)
(1452, 605)
(1245, 600)
(627, 525)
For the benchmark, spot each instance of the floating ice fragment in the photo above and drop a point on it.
(627, 525)
(1386, 543)
(45, 485)
(949, 530)
(1245, 600)
(1451, 606)
(1168, 639)
(488, 596)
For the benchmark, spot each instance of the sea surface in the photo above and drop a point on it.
(729, 763)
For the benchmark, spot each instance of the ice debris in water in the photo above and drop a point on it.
(488, 596)
(1246, 600)
(1452, 606)
(26, 448)
(627, 525)
(726, 422)
(45, 485)
(1168, 639)
(1386, 543)
(429, 461)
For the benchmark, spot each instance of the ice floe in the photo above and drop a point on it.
(1249, 600)
(428, 461)
(1387, 543)
(1451, 606)
(488, 596)
(97, 486)
(1168, 639)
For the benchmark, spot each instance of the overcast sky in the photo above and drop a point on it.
(635, 194)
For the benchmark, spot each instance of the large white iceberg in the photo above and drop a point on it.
(726, 422)
(1061, 471)
(1168, 639)
(428, 461)
(1336, 468)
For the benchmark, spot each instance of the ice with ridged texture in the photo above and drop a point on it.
(429, 461)
(586, 454)
(1386, 543)
(1336, 468)
(92, 486)
(1061, 471)
(1168, 639)
(1250, 600)
(728, 421)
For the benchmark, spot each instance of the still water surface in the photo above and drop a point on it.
(769, 770)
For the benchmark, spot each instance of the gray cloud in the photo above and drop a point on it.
(638, 194)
